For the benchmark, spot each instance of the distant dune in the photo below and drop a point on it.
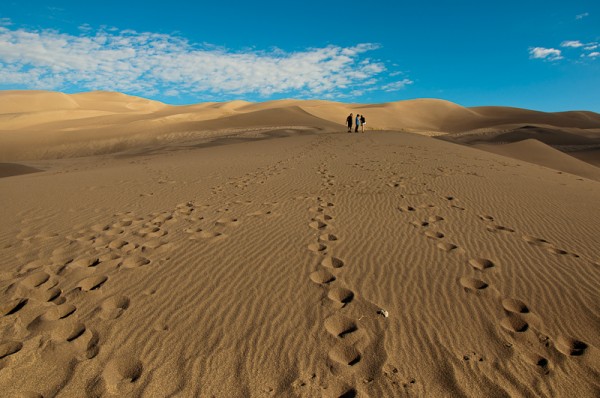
(45, 125)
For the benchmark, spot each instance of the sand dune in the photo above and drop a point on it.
(43, 125)
(534, 151)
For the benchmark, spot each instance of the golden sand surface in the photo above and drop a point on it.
(259, 250)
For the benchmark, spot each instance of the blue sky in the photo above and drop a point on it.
(541, 55)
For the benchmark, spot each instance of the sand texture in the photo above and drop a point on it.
(258, 250)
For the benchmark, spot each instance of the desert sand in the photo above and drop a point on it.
(258, 250)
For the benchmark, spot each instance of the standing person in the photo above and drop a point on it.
(363, 121)
(357, 123)
(349, 123)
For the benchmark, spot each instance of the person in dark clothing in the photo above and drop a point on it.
(363, 121)
(357, 123)
(349, 123)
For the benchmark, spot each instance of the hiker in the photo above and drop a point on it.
(349, 123)
(363, 121)
(357, 123)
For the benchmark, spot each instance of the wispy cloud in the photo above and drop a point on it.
(571, 43)
(150, 63)
(581, 16)
(594, 54)
(550, 54)
(398, 85)
(571, 48)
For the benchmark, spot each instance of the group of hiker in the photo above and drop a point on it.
(359, 121)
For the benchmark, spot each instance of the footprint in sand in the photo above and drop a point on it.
(12, 306)
(123, 245)
(406, 208)
(340, 295)
(36, 279)
(134, 262)
(48, 320)
(514, 323)
(472, 284)
(123, 223)
(554, 250)
(260, 213)
(481, 264)
(323, 218)
(108, 257)
(47, 295)
(332, 262)
(121, 374)
(83, 237)
(322, 276)
(542, 364)
(485, 217)
(434, 234)
(339, 325)
(434, 219)
(316, 247)
(59, 312)
(535, 241)
(209, 235)
(84, 262)
(151, 232)
(113, 307)
(345, 354)
(317, 225)
(328, 238)
(92, 283)
(394, 184)
(515, 306)
(227, 222)
(570, 346)
(499, 228)
(100, 227)
(447, 247)
(68, 331)
(9, 348)
(113, 232)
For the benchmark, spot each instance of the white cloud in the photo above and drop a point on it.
(550, 54)
(5, 21)
(594, 54)
(571, 43)
(149, 63)
(590, 46)
(398, 85)
(581, 16)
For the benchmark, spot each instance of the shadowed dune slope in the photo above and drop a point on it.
(534, 151)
